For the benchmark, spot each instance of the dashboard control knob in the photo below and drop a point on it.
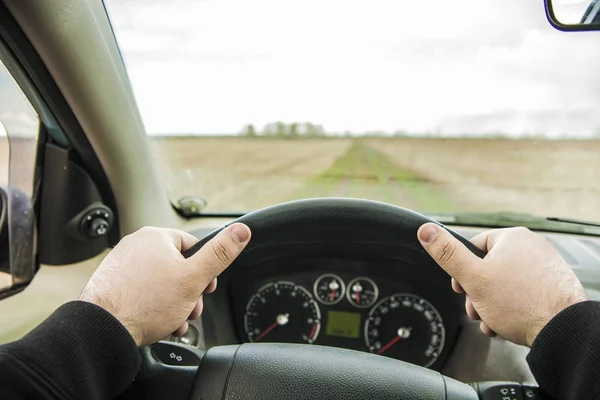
(96, 222)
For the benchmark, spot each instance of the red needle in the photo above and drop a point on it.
(358, 298)
(264, 333)
(332, 294)
(390, 344)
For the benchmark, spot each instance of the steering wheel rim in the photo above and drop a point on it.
(357, 220)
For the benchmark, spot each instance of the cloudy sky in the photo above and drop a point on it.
(437, 66)
(16, 114)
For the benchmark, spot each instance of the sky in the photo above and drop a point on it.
(17, 117)
(439, 66)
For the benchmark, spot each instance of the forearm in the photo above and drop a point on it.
(80, 351)
(565, 357)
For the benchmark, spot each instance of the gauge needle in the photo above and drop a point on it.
(357, 297)
(281, 319)
(403, 333)
(333, 286)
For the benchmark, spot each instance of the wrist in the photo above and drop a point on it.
(135, 333)
(127, 323)
(536, 327)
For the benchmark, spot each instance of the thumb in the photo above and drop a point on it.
(447, 251)
(218, 253)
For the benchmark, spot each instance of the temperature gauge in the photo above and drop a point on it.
(329, 289)
(362, 292)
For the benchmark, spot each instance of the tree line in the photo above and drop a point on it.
(281, 129)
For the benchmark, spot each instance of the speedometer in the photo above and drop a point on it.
(282, 312)
(406, 327)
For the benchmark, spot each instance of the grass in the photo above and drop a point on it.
(367, 173)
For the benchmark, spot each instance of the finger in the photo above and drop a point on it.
(211, 287)
(486, 330)
(487, 240)
(471, 312)
(181, 330)
(197, 311)
(448, 252)
(456, 286)
(182, 240)
(218, 253)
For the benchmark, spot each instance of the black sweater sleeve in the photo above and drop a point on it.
(80, 352)
(565, 357)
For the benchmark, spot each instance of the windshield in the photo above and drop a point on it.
(475, 106)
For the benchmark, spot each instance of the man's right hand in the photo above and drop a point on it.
(520, 285)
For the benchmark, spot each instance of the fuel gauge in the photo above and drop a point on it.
(362, 292)
(329, 289)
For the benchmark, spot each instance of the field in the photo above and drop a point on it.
(550, 178)
(557, 178)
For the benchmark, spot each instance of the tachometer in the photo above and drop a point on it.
(282, 312)
(406, 327)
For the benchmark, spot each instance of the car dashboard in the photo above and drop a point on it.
(371, 305)
(363, 305)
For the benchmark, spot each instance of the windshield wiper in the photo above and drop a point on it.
(508, 219)
(574, 221)
(192, 206)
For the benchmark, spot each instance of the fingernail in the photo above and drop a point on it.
(240, 233)
(428, 233)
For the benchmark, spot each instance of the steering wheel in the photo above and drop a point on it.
(295, 371)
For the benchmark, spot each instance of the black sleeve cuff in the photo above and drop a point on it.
(81, 351)
(564, 358)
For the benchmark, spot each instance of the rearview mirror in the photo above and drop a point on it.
(574, 15)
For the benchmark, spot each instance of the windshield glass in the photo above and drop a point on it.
(440, 106)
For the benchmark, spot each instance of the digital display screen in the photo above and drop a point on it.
(343, 324)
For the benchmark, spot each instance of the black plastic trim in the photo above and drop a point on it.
(54, 104)
(68, 191)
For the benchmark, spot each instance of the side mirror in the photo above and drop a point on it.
(574, 15)
(17, 240)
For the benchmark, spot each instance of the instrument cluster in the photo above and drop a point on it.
(345, 309)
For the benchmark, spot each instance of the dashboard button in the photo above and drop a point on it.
(172, 354)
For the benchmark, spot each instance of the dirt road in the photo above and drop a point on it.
(555, 178)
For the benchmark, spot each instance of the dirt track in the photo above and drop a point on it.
(556, 178)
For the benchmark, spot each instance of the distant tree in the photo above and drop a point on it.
(269, 129)
(249, 131)
(312, 130)
(281, 128)
(293, 130)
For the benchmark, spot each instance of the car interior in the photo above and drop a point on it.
(334, 297)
